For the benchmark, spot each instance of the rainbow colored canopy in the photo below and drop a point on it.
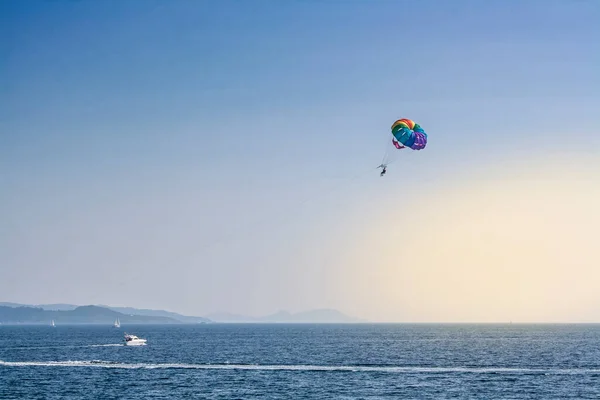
(409, 134)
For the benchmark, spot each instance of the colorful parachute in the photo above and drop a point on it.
(406, 133)
(409, 134)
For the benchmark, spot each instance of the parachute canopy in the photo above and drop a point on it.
(409, 134)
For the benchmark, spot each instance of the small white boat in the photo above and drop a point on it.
(132, 340)
(117, 323)
(53, 324)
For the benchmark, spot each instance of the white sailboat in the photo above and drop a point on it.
(117, 323)
(52, 324)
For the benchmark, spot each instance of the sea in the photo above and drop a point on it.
(302, 361)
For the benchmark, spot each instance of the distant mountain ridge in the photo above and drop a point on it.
(70, 313)
(80, 315)
(159, 313)
(126, 314)
(49, 307)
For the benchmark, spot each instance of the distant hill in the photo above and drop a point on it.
(52, 307)
(312, 316)
(159, 313)
(128, 311)
(70, 313)
(80, 315)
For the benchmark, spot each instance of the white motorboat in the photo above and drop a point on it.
(132, 340)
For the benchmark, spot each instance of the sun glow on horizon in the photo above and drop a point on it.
(520, 245)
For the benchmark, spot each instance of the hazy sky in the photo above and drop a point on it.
(204, 156)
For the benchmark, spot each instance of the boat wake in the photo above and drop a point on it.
(70, 346)
(306, 368)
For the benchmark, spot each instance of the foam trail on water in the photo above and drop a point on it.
(69, 346)
(307, 368)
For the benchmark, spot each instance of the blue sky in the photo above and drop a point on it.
(175, 137)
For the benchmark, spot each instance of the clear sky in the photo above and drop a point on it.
(204, 156)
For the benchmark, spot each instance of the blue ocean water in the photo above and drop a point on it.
(281, 361)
